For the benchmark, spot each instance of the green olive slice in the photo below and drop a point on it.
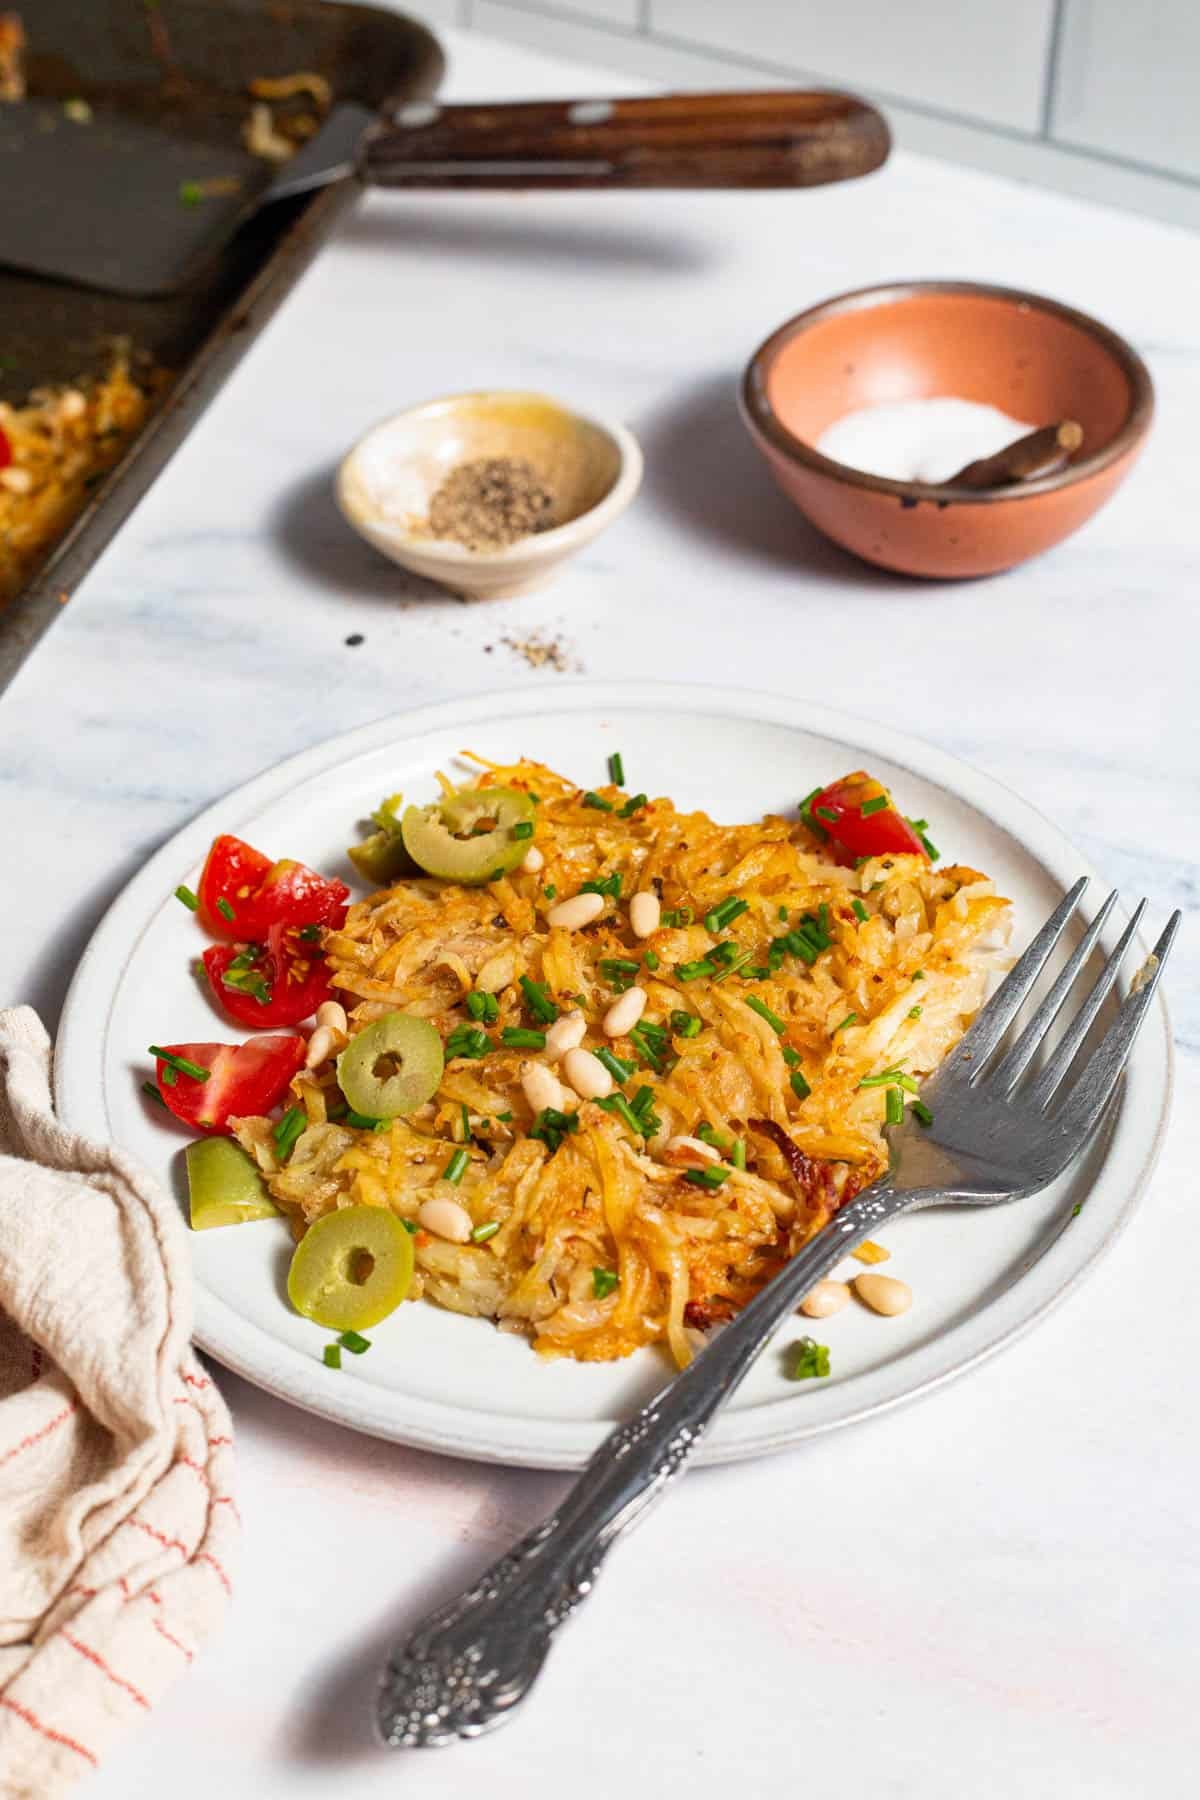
(351, 1268)
(224, 1187)
(393, 1066)
(470, 836)
(383, 858)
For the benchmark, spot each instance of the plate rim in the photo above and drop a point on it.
(451, 1429)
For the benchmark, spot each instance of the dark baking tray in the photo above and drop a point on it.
(181, 63)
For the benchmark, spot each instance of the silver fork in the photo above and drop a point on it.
(996, 1135)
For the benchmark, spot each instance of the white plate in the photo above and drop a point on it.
(457, 1385)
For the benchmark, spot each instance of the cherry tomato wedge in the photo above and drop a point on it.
(280, 982)
(243, 1079)
(5, 451)
(243, 893)
(851, 816)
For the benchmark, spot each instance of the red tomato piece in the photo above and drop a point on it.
(243, 893)
(284, 983)
(853, 833)
(5, 451)
(244, 1080)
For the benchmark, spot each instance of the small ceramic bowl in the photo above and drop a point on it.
(387, 481)
(1032, 358)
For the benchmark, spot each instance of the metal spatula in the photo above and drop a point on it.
(135, 209)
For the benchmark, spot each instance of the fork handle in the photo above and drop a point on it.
(747, 140)
(467, 1665)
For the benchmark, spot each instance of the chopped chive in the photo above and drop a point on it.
(723, 954)
(848, 1020)
(610, 886)
(860, 911)
(806, 816)
(354, 1342)
(618, 965)
(791, 1057)
(224, 908)
(739, 1153)
(878, 804)
(693, 970)
(724, 913)
(823, 916)
(931, 850)
(860, 862)
(923, 1113)
(616, 769)
(907, 1083)
(800, 1087)
(153, 1092)
(456, 1168)
(651, 960)
(469, 1041)
(362, 1121)
(914, 1012)
(764, 1012)
(677, 916)
(707, 1178)
(517, 1038)
(620, 1071)
(825, 812)
(292, 1126)
(537, 999)
(649, 1047)
(603, 1282)
(810, 1360)
(476, 1005)
(707, 1135)
(686, 1024)
(550, 891)
(310, 934)
(333, 1356)
(169, 1078)
(482, 1233)
(180, 1064)
(186, 895)
(885, 1078)
(617, 1103)
(504, 1117)
(464, 1120)
(632, 806)
(596, 803)
(642, 1101)
(920, 975)
(783, 912)
(551, 1126)
(411, 1226)
(524, 829)
(894, 1100)
(919, 824)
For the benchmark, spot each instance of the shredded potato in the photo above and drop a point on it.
(61, 442)
(895, 988)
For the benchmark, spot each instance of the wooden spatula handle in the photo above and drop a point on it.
(752, 140)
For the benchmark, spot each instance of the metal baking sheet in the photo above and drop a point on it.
(184, 64)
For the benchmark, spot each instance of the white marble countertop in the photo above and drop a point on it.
(993, 1592)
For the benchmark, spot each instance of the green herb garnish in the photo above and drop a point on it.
(333, 1356)
(224, 908)
(517, 1038)
(895, 1106)
(878, 804)
(764, 1012)
(186, 895)
(456, 1168)
(616, 769)
(620, 1071)
(537, 999)
(800, 1087)
(860, 911)
(848, 1020)
(809, 1360)
(596, 803)
(292, 1126)
(354, 1342)
(603, 1282)
(179, 1064)
(482, 1233)
(632, 806)
(523, 829)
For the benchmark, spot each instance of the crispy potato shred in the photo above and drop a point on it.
(62, 442)
(894, 989)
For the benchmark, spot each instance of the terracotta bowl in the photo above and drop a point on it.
(1033, 358)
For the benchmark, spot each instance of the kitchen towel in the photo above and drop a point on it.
(117, 1516)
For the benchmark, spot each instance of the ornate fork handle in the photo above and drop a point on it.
(467, 1665)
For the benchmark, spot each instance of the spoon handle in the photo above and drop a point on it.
(789, 139)
(470, 1663)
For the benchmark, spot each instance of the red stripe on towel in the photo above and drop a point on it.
(46, 1731)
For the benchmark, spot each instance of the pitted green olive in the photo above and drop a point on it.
(471, 837)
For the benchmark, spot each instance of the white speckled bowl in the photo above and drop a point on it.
(387, 480)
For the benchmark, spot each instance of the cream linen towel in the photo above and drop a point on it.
(116, 1515)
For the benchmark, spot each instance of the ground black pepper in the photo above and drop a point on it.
(490, 502)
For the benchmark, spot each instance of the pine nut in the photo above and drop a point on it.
(71, 405)
(321, 1046)
(689, 1153)
(624, 1013)
(565, 1034)
(589, 1077)
(645, 911)
(826, 1298)
(579, 910)
(533, 860)
(331, 1014)
(446, 1219)
(883, 1294)
(542, 1088)
(16, 480)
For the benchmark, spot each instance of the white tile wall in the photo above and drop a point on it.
(978, 57)
(1100, 97)
(1129, 80)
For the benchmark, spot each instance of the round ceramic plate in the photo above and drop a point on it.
(455, 1384)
